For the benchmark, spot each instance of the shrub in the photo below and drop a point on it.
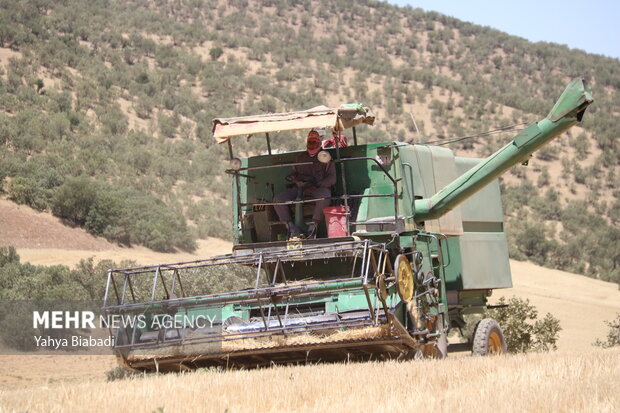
(216, 53)
(522, 330)
(123, 215)
(530, 240)
(73, 199)
(119, 373)
(613, 335)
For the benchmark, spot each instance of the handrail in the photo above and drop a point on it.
(345, 197)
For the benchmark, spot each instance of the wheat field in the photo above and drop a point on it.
(555, 382)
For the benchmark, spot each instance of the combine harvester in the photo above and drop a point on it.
(413, 247)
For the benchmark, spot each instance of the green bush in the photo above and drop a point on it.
(216, 53)
(74, 199)
(613, 335)
(122, 215)
(22, 285)
(522, 330)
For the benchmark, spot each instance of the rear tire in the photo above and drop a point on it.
(488, 339)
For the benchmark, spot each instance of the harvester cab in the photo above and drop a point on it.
(412, 245)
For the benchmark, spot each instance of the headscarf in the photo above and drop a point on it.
(313, 143)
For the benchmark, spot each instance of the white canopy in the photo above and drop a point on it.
(343, 117)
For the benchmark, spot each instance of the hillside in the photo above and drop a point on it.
(115, 100)
(42, 239)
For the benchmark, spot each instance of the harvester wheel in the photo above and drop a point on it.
(488, 339)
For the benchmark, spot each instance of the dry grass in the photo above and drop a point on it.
(557, 382)
(24, 371)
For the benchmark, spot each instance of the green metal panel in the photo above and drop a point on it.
(483, 246)
(419, 157)
(454, 279)
(433, 168)
(376, 207)
(485, 205)
(473, 298)
(484, 257)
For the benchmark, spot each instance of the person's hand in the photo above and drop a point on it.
(309, 191)
(295, 180)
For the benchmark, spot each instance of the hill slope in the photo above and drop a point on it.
(116, 98)
(42, 239)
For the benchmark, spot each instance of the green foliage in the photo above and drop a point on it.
(101, 54)
(216, 53)
(23, 285)
(33, 191)
(588, 243)
(522, 329)
(613, 335)
(73, 200)
(122, 215)
(8, 255)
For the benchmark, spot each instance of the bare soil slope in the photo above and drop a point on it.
(42, 239)
(581, 304)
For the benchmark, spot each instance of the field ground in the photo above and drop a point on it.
(556, 382)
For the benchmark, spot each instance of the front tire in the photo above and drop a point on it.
(488, 339)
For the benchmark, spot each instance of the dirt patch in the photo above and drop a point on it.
(23, 227)
(141, 255)
(6, 54)
(42, 239)
(19, 371)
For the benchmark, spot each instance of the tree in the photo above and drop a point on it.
(216, 53)
(74, 199)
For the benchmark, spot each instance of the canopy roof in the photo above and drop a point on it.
(343, 117)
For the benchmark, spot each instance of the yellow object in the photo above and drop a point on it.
(404, 278)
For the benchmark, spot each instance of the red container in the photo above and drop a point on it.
(337, 220)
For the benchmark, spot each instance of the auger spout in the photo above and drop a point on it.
(567, 112)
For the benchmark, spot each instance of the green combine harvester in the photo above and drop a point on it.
(412, 247)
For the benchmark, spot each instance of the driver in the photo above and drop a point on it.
(313, 180)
